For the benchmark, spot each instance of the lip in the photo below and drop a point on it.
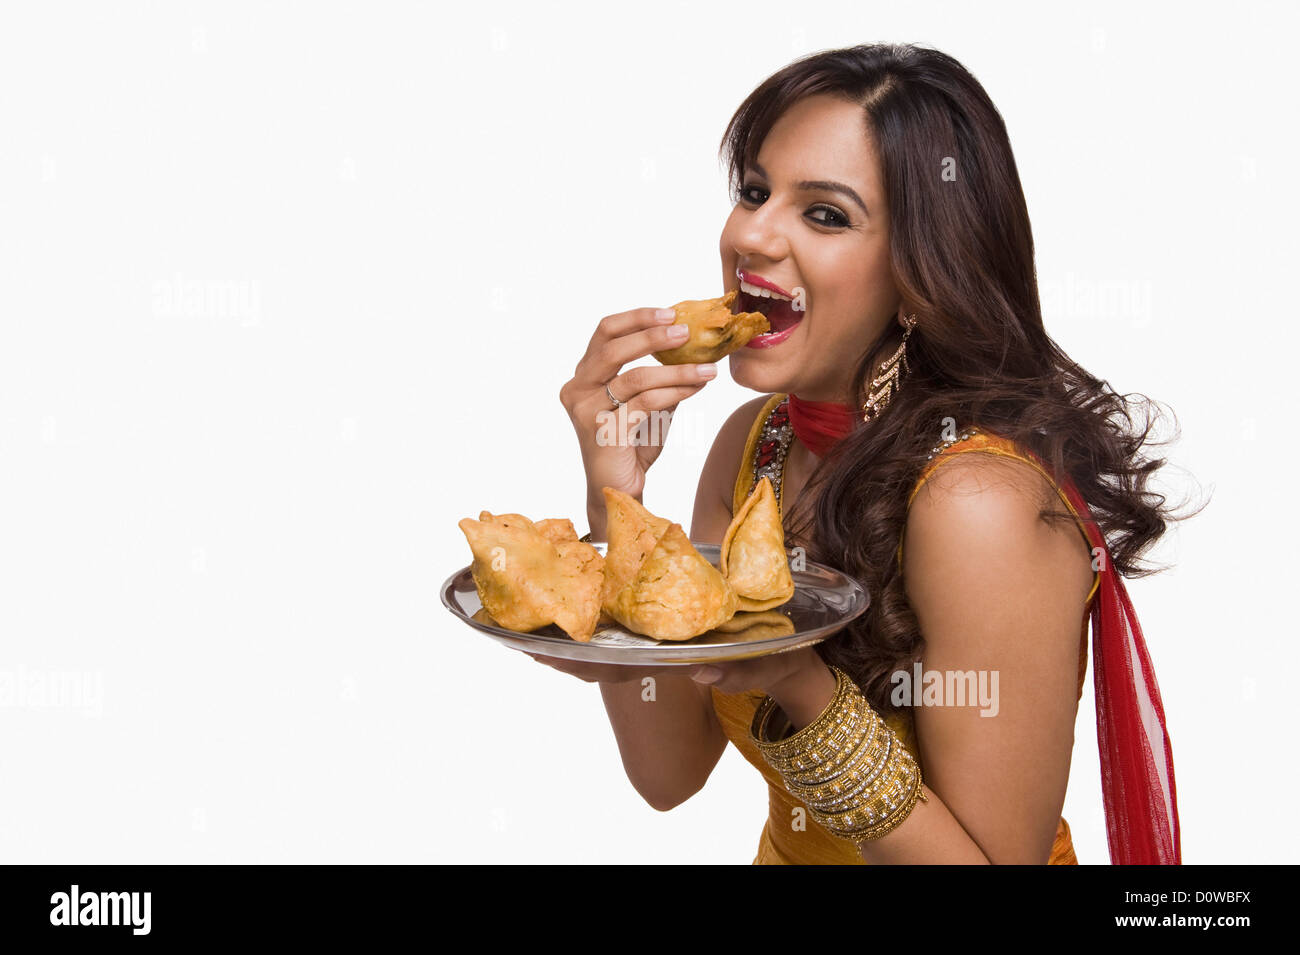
(761, 282)
(771, 340)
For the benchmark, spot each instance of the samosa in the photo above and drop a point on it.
(715, 331)
(530, 575)
(753, 557)
(656, 583)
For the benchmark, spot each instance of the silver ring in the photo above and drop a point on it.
(611, 396)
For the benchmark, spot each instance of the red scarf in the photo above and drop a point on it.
(1137, 759)
(820, 424)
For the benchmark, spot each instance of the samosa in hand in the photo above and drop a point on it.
(753, 557)
(715, 331)
(656, 583)
(530, 575)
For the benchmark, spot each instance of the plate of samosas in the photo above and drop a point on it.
(650, 596)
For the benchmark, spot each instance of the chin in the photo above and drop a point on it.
(761, 376)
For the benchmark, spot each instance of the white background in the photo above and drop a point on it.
(226, 517)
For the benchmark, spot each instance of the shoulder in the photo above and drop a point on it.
(981, 485)
(975, 529)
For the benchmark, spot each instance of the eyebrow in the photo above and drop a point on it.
(822, 185)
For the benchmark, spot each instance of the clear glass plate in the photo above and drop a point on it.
(824, 602)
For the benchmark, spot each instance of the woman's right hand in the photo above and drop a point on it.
(615, 452)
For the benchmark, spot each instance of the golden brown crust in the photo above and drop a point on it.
(676, 594)
(715, 331)
(633, 533)
(526, 581)
(656, 582)
(753, 557)
(556, 529)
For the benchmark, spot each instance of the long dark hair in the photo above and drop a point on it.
(963, 260)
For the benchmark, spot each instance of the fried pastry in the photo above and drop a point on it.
(530, 575)
(753, 557)
(656, 583)
(715, 331)
(557, 529)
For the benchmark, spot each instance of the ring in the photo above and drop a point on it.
(611, 396)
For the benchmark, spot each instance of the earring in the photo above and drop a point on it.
(889, 380)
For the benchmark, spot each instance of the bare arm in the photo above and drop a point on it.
(994, 589)
(670, 744)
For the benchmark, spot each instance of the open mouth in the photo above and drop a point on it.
(780, 312)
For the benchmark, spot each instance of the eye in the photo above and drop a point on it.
(833, 216)
(752, 195)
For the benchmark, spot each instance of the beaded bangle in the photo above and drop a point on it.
(895, 778)
(808, 747)
(847, 766)
(886, 820)
(870, 758)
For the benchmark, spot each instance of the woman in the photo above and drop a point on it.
(879, 210)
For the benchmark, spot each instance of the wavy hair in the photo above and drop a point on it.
(962, 256)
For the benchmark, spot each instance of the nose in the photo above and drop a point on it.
(759, 236)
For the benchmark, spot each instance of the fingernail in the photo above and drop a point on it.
(678, 331)
(706, 675)
(666, 314)
(706, 371)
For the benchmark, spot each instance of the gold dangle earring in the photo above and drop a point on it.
(889, 380)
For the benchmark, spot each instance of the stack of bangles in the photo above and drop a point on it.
(847, 766)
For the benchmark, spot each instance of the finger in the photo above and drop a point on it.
(740, 676)
(569, 667)
(623, 323)
(647, 389)
(606, 359)
(664, 399)
(635, 382)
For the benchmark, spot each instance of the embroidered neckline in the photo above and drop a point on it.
(773, 447)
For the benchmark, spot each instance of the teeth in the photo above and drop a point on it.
(762, 292)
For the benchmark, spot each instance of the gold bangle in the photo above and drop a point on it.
(882, 795)
(885, 823)
(884, 811)
(848, 767)
(810, 746)
(859, 773)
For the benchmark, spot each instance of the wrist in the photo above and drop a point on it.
(805, 694)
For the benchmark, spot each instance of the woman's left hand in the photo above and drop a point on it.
(799, 681)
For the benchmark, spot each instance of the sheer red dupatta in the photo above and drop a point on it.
(1137, 760)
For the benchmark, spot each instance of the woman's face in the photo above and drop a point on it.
(811, 219)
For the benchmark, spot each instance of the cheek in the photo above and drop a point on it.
(854, 292)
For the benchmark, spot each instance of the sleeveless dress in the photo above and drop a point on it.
(781, 843)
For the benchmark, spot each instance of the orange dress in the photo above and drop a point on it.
(790, 838)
